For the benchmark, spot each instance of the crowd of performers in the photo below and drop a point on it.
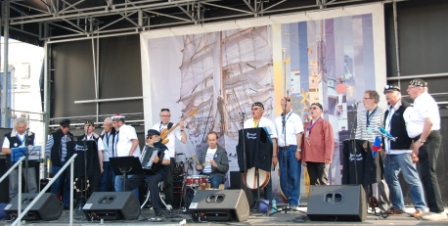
(295, 144)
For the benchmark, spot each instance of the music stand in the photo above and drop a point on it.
(30, 152)
(125, 166)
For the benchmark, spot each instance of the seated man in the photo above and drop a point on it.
(156, 168)
(213, 161)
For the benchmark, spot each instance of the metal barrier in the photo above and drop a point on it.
(17, 164)
(72, 178)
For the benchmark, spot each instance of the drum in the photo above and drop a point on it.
(196, 180)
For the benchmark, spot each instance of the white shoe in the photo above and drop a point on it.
(295, 208)
(168, 207)
(431, 216)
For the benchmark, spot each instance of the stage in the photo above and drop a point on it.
(280, 218)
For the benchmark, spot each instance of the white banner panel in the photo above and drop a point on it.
(330, 56)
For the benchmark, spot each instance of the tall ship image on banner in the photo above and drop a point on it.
(222, 74)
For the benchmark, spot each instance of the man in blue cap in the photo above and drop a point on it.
(156, 167)
(397, 154)
(56, 151)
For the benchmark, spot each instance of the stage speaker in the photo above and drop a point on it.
(47, 208)
(337, 202)
(236, 182)
(219, 205)
(112, 206)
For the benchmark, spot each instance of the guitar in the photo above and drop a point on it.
(250, 178)
(165, 132)
(197, 161)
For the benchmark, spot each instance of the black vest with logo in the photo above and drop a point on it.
(15, 142)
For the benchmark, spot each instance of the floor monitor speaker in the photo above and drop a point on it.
(112, 206)
(337, 202)
(220, 205)
(47, 208)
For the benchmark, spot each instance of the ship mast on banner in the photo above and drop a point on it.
(223, 73)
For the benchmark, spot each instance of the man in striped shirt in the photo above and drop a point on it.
(369, 119)
(56, 150)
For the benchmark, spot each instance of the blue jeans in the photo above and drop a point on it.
(289, 166)
(214, 181)
(118, 185)
(107, 177)
(64, 182)
(403, 162)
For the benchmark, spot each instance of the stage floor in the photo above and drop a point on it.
(280, 218)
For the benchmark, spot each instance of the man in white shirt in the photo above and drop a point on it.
(423, 125)
(125, 144)
(14, 139)
(259, 121)
(180, 134)
(289, 127)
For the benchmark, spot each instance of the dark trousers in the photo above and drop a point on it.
(169, 182)
(318, 173)
(134, 182)
(427, 155)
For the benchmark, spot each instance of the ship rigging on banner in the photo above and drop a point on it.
(223, 73)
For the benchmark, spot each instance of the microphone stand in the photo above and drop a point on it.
(353, 138)
(83, 194)
(285, 158)
(26, 159)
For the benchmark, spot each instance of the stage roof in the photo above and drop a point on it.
(36, 21)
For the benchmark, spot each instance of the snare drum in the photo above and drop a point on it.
(196, 180)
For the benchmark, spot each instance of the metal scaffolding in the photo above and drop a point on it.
(80, 19)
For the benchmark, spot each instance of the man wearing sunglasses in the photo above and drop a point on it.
(56, 150)
(423, 125)
(397, 154)
(156, 167)
(259, 121)
(317, 146)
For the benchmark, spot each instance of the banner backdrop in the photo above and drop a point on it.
(330, 57)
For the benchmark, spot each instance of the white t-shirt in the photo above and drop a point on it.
(264, 122)
(294, 126)
(209, 156)
(424, 107)
(123, 145)
(171, 137)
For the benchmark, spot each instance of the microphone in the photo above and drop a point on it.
(385, 133)
(355, 105)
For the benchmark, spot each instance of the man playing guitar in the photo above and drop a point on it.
(180, 134)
